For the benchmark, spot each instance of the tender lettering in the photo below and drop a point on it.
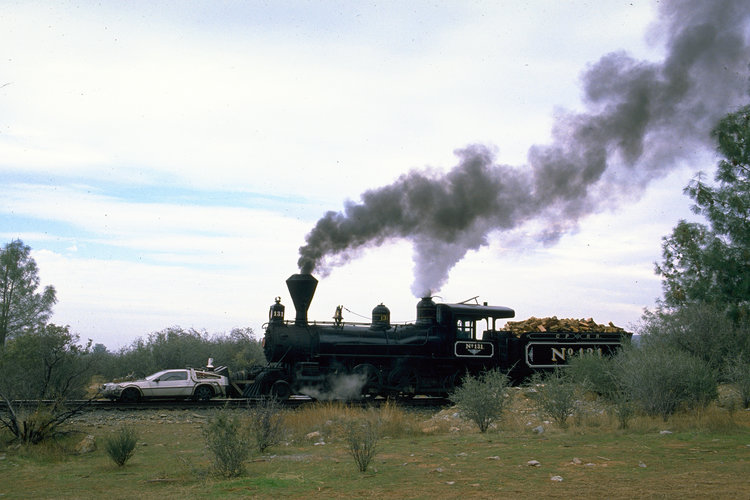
(563, 353)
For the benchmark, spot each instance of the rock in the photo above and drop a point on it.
(577, 461)
(533, 463)
(641, 464)
(538, 429)
(556, 478)
(665, 432)
(313, 435)
(87, 445)
(493, 458)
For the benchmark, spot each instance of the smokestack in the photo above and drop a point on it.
(301, 288)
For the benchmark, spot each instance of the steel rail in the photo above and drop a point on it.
(176, 404)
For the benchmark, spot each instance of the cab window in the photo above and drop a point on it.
(464, 329)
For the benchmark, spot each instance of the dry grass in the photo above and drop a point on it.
(329, 420)
(705, 454)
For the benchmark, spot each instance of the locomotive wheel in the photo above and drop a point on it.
(451, 381)
(281, 390)
(404, 380)
(371, 376)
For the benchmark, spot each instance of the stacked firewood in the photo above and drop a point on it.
(554, 324)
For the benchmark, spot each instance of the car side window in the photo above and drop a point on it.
(182, 375)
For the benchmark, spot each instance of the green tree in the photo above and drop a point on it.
(176, 347)
(711, 263)
(702, 330)
(22, 308)
(47, 364)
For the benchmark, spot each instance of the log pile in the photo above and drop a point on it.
(554, 324)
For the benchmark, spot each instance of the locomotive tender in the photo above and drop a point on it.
(427, 357)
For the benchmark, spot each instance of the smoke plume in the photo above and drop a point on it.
(641, 118)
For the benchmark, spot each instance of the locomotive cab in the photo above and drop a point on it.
(463, 323)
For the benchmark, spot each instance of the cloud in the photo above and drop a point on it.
(165, 162)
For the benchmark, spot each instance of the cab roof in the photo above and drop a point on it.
(475, 311)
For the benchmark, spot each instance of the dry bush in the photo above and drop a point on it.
(267, 423)
(362, 439)
(228, 439)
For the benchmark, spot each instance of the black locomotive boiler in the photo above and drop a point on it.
(427, 357)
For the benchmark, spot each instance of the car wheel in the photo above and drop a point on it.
(130, 395)
(203, 393)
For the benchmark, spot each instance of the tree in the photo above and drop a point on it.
(711, 263)
(22, 309)
(47, 364)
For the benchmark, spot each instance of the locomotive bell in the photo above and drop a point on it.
(381, 317)
(426, 311)
(301, 288)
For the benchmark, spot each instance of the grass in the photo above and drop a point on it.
(707, 454)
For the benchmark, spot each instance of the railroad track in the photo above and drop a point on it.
(293, 402)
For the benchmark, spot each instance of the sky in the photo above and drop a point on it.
(165, 161)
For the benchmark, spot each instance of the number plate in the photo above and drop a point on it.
(473, 349)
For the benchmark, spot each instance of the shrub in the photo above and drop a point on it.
(120, 446)
(228, 441)
(362, 438)
(601, 375)
(737, 373)
(702, 330)
(660, 379)
(267, 423)
(593, 373)
(555, 396)
(482, 398)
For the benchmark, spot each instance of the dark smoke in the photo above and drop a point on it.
(641, 119)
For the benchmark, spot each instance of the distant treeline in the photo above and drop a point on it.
(176, 347)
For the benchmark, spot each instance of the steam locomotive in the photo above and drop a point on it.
(338, 360)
